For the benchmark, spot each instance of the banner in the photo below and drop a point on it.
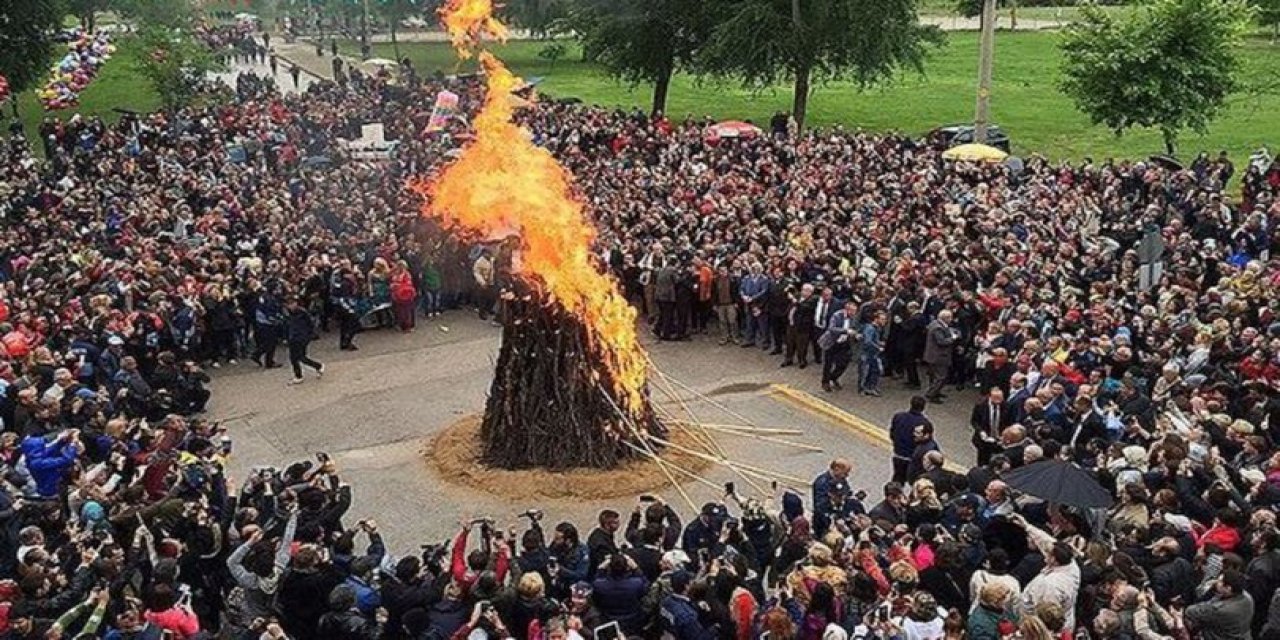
(446, 107)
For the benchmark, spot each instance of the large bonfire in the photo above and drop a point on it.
(570, 386)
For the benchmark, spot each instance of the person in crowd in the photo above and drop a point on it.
(837, 345)
(138, 251)
(300, 331)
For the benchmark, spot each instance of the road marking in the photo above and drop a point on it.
(817, 406)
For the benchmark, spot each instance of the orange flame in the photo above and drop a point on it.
(468, 21)
(504, 185)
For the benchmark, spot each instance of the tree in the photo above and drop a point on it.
(973, 9)
(764, 42)
(26, 44)
(540, 17)
(642, 41)
(1169, 66)
(173, 63)
(395, 12)
(1269, 16)
(169, 14)
(86, 11)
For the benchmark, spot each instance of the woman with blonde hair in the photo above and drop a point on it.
(380, 282)
(991, 614)
(925, 505)
(1032, 628)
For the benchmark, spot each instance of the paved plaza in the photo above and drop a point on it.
(375, 409)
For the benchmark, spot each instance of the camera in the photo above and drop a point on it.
(532, 514)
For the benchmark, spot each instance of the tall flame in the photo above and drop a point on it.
(503, 184)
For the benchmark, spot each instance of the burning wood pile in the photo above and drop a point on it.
(571, 383)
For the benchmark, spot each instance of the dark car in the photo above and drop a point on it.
(958, 134)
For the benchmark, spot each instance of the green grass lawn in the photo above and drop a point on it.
(118, 85)
(1026, 101)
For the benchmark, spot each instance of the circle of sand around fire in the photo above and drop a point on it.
(454, 454)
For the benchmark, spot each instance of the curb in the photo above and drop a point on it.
(836, 415)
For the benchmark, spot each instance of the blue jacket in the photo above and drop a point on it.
(902, 431)
(871, 341)
(367, 598)
(681, 619)
(754, 287)
(619, 599)
(47, 463)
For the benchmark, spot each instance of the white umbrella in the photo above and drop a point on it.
(380, 62)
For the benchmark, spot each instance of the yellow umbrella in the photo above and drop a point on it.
(974, 153)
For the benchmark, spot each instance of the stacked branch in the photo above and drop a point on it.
(545, 407)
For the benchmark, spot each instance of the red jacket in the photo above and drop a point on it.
(465, 577)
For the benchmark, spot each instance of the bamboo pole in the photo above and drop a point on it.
(677, 467)
(716, 448)
(763, 473)
(705, 398)
(636, 432)
(756, 436)
(749, 429)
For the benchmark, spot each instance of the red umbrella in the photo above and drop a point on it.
(732, 129)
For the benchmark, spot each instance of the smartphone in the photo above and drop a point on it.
(729, 488)
(648, 498)
(609, 631)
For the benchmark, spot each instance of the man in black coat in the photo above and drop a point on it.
(911, 343)
(902, 433)
(648, 554)
(600, 542)
(300, 330)
(408, 589)
(800, 327)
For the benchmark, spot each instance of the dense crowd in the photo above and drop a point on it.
(138, 254)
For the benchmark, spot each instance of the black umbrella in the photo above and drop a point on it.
(1168, 162)
(1059, 482)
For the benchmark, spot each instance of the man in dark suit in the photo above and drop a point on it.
(800, 327)
(648, 555)
(988, 420)
(601, 543)
(902, 433)
(837, 344)
(940, 338)
(824, 306)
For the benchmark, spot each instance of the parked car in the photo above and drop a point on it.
(958, 134)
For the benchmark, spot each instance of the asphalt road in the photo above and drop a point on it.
(375, 408)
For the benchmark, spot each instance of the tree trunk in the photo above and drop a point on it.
(1170, 141)
(800, 101)
(660, 88)
(395, 46)
(1013, 18)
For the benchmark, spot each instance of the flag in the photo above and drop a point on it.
(445, 108)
